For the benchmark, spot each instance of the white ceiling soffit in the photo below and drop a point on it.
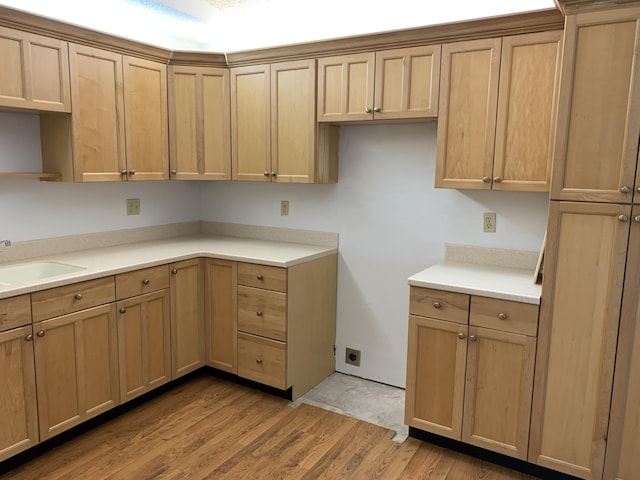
(232, 25)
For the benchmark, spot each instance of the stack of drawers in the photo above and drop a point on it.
(262, 324)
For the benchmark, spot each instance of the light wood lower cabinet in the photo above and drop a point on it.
(187, 320)
(144, 331)
(472, 383)
(76, 368)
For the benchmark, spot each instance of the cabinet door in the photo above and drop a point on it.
(144, 346)
(147, 137)
(293, 121)
(76, 368)
(498, 390)
(221, 314)
(598, 121)
(529, 77)
(199, 123)
(18, 412)
(345, 87)
(582, 287)
(407, 82)
(34, 72)
(251, 123)
(98, 115)
(437, 354)
(467, 113)
(187, 320)
(623, 441)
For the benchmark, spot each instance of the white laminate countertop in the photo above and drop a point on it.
(476, 279)
(100, 262)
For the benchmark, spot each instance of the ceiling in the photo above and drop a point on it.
(232, 25)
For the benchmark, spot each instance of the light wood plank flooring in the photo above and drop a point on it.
(209, 428)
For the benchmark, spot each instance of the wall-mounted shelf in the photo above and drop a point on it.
(51, 177)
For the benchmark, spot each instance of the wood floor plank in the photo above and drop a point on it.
(208, 428)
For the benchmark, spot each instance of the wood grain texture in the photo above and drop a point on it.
(262, 360)
(209, 428)
(142, 281)
(519, 317)
(262, 312)
(15, 312)
(262, 276)
(439, 304)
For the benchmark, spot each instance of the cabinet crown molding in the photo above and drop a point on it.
(568, 7)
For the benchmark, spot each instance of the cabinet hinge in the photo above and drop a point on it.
(334, 350)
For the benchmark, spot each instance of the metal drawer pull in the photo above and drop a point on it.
(367, 110)
(123, 310)
(473, 338)
(259, 313)
(174, 271)
(461, 336)
(486, 179)
(259, 277)
(29, 338)
(78, 296)
(40, 333)
(636, 219)
(437, 305)
(145, 281)
(259, 361)
(502, 316)
(625, 189)
(623, 218)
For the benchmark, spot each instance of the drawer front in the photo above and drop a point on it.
(71, 298)
(15, 312)
(262, 360)
(439, 304)
(262, 276)
(504, 315)
(142, 281)
(262, 312)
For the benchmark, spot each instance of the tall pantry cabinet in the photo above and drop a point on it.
(588, 319)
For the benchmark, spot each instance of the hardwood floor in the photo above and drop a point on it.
(209, 428)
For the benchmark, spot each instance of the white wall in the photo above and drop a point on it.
(31, 209)
(392, 224)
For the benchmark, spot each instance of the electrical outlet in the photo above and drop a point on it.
(133, 206)
(489, 222)
(284, 208)
(352, 356)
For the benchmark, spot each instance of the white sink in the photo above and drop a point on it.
(29, 272)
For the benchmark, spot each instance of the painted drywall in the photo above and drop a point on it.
(392, 223)
(31, 209)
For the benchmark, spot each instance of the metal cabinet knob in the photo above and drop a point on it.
(497, 179)
(377, 109)
(259, 313)
(636, 219)
(123, 172)
(123, 310)
(174, 270)
(461, 336)
(623, 218)
(625, 189)
(274, 174)
(78, 296)
(502, 316)
(29, 338)
(174, 171)
(437, 305)
(40, 333)
(132, 172)
(259, 277)
(638, 189)
(266, 174)
(367, 110)
(486, 179)
(259, 361)
(145, 281)
(473, 338)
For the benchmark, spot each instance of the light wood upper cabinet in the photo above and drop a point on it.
(187, 320)
(34, 72)
(221, 314)
(118, 130)
(582, 288)
(598, 122)
(76, 368)
(18, 410)
(499, 141)
(274, 134)
(623, 441)
(389, 84)
(199, 123)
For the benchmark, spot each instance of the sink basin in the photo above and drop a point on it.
(29, 272)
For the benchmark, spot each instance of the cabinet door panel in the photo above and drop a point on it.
(251, 123)
(18, 411)
(598, 125)
(221, 314)
(529, 77)
(216, 128)
(435, 376)
(467, 114)
(184, 122)
(98, 114)
(498, 390)
(147, 137)
(293, 121)
(584, 270)
(407, 82)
